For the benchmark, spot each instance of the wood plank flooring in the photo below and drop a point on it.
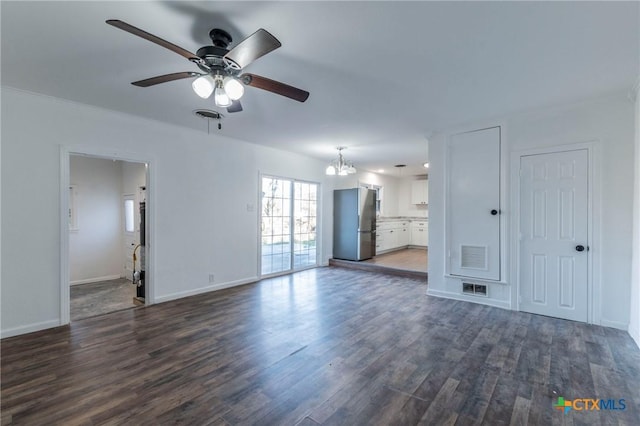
(324, 346)
(412, 259)
(409, 263)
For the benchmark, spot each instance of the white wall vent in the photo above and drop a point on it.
(473, 257)
(474, 289)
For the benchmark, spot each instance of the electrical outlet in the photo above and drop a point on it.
(211, 278)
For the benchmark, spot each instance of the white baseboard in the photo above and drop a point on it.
(472, 299)
(207, 289)
(614, 324)
(96, 279)
(30, 328)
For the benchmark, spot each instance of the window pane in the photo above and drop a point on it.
(283, 221)
(128, 216)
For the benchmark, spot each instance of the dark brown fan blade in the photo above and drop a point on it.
(157, 40)
(275, 87)
(236, 106)
(165, 78)
(251, 48)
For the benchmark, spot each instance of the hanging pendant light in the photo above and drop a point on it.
(340, 166)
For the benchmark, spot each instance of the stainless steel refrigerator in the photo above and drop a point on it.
(354, 224)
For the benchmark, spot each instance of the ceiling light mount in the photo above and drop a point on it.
(340, 166)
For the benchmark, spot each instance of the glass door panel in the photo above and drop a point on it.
(288, 225)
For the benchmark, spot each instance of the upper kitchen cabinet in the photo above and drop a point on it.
(419, 192)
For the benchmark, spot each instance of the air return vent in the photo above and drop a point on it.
(473, 257)
(474, 289)
(207, 113)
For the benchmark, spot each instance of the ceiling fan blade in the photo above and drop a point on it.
(251, 48)
(274, 87)
(157, 40)
(165, 78)
(236, 106)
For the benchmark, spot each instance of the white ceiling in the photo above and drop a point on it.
(382, 75)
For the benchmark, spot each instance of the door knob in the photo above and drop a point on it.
(579, 247)
(494, 212)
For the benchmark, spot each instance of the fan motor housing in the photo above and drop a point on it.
(212, 55)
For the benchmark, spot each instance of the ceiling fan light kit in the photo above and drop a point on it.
(203, 86)
(220, 66)
(234, 88)
(220, 95)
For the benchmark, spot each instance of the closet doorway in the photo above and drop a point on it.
(104, 228)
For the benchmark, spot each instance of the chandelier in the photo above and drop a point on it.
(340, 166)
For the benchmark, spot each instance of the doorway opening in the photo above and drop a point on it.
(104, 250)
(288, 221)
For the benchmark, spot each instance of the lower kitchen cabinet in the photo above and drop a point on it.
(392, 235)
(403, 235)
(419, 233)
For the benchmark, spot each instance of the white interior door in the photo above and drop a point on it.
(553, 234)
(129, 233)
(474, 204)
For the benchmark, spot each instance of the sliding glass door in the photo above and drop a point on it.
(289, 213)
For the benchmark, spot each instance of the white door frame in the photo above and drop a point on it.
(593, 226)
(262, 175)
(95, 152)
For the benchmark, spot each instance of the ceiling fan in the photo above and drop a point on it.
(221, 68)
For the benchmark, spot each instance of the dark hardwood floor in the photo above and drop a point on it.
(323, 346)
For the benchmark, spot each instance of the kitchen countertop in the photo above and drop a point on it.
(395, 218)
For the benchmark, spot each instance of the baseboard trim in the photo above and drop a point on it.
(96, 279)
(30, 328)
(614, 324)
(207, 289)
(472, 299)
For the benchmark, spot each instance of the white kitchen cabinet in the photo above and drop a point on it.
(392, 235)
(419, 233)
(403, 236)
(419, 192)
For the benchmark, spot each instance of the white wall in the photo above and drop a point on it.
(203, 185)
(609, 121)
(396, 193)
(95, 247)
(133, 177)
(390, 185)
(634, 324)
(405, 208)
